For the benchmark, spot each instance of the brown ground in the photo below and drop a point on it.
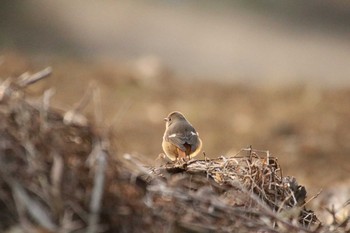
(59, 172)
(305, 127)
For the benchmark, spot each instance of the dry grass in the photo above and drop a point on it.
(59, 173)
(246, 192)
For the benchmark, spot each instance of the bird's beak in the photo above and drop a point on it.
(166, 119)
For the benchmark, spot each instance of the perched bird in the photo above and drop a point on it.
(180, 141)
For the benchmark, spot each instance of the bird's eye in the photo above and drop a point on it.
(169, 119)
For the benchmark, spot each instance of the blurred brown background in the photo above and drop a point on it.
(272, 74)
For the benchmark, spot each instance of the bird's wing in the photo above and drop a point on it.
(179, 135)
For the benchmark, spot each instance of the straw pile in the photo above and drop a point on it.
(59, 173)
(243, 193)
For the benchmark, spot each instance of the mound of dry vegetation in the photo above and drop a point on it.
(59, 173)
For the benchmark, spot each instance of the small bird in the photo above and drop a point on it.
(180, 141)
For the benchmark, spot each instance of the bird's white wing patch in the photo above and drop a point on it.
(172, 135)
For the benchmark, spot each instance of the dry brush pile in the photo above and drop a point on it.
(59, 173)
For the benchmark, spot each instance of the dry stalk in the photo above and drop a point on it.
(98, 189)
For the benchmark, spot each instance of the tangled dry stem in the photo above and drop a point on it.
(245, 186)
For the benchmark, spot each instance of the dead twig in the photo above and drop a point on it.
(97, 191)
(27, 79)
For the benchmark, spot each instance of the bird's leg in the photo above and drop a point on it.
(179, 161)
(181, 154)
